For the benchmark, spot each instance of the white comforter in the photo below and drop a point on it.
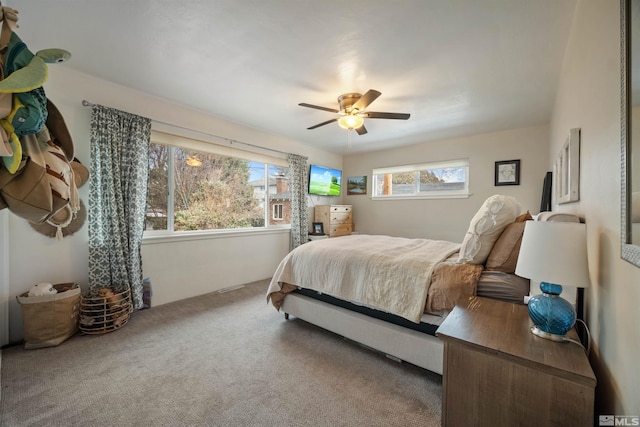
(387, 273)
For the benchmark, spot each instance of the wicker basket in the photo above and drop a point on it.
(104, 310)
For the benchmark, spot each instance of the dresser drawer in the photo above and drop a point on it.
(340, 208)
(340, 230)
(340, 218)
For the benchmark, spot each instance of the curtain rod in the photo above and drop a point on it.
(229, 140)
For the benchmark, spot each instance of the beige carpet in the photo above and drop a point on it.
(222, 359)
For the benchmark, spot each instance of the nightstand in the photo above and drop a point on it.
(313, 237)
(497, 373)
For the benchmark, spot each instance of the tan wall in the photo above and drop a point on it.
(588, 97)
(448, 219)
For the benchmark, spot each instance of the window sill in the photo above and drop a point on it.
(165, 237)
(438, 196)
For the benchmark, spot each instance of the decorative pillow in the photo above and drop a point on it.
(495, 214)
(504, 255)
(524, 217)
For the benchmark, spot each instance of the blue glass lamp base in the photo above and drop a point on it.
(552, 315)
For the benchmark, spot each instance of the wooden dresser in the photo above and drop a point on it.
(336, 219)
(497, 373)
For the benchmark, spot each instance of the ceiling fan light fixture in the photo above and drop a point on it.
(350, 121)
(353, 111)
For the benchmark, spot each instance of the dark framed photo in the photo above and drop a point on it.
(318, 228)
(507, 172)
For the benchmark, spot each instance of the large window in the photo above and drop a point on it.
(193, 189)
(426, 180)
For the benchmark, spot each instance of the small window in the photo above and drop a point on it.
(426, 180)
(277, 212)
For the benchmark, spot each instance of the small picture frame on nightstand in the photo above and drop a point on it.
(318, 229)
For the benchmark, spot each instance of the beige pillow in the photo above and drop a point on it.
(504, 255)
(486, 226)
(524, 217)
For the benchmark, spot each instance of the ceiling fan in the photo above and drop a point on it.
(351, 112)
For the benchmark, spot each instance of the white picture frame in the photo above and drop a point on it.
(566, 170)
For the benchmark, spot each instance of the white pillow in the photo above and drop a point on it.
(485, 228)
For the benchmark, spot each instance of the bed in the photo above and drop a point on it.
(391, 293)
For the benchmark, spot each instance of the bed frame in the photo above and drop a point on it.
(420, 348)
(399, 342)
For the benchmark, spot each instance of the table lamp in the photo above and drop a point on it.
(555, 254)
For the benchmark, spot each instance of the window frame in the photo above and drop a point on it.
(279, 215)
(172, 141)
(417, 168)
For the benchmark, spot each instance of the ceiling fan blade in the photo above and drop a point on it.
(366, 99)
(317, 107)
(374, 115)
(361, 130)
(323, 123)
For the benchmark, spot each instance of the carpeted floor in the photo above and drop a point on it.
(222, 359)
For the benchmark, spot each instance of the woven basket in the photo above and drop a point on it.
(101, 313)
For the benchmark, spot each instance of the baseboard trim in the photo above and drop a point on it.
(231, 288)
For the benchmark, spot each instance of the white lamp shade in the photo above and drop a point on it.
(554, 252)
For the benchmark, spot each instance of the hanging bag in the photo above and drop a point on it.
(37, 182)
(45, 185)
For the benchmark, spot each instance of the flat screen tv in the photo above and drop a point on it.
(324, 181)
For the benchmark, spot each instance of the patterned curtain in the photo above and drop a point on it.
(118, 199)
(298, 188)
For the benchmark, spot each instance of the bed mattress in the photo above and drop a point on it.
(492, 284)
(428, 324)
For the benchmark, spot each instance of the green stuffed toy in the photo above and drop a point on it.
(26, 75)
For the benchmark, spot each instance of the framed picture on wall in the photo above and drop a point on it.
(507, 172)
(566, 170)
(356, 185)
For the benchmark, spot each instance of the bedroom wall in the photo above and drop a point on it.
(448, 219)
(588, 97)
(178, 269)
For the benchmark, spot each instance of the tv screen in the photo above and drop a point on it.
(324, 181)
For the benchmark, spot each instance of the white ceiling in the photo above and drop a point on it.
(459, 67)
